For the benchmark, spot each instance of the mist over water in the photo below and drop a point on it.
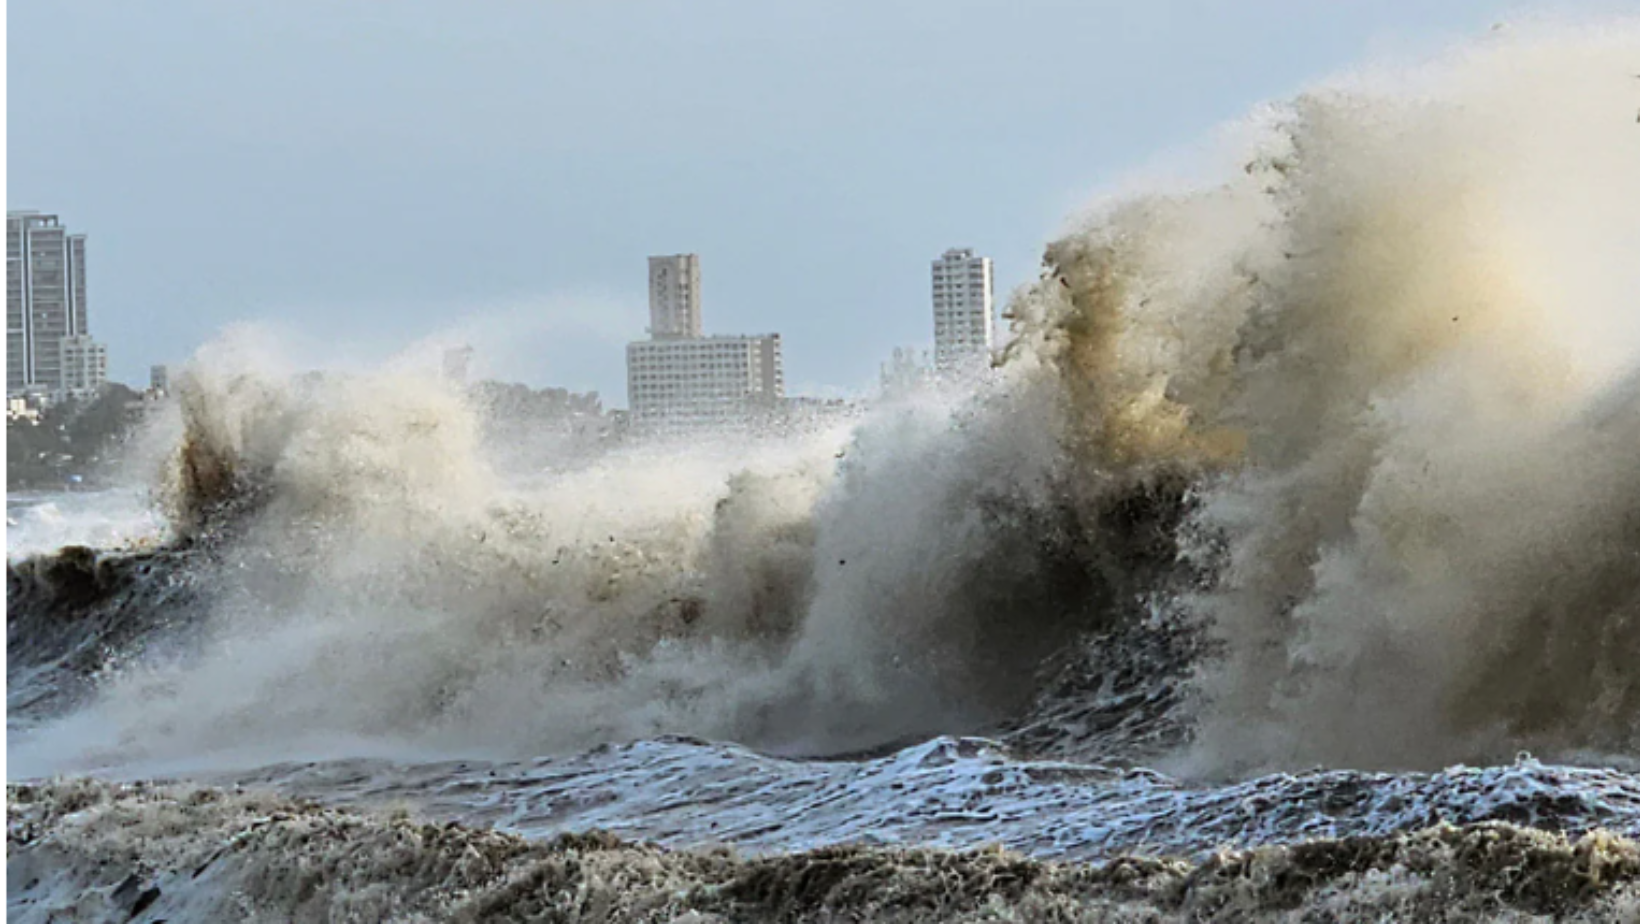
(384, 585)
(1432, 533)
(1365, 414)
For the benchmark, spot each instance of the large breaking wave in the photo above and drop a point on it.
(1330, 462)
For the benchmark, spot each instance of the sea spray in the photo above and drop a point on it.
(1353, 422)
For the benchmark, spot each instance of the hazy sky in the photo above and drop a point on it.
(364, 175)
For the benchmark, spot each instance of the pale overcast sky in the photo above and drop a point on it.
(364, 175)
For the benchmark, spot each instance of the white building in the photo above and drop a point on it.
(703, 382)
(679, 380)
(159, 379)
(21, 409)
(45, 300)
(674, 296)
(963, 304)
(83, 367)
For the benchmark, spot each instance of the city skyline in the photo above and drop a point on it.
(822, 154)
(675, 312)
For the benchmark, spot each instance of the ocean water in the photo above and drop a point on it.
(1284, 565)
(45, 521)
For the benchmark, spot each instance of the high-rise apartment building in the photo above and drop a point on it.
(962, 310)
(674, 296)
(680, 380)
(45, 304)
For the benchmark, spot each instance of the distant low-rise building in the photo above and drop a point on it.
(703, 382)
(82, 368)
(21, 410)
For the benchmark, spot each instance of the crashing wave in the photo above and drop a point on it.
(1331, 463)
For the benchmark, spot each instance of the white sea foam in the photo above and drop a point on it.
(39, 522)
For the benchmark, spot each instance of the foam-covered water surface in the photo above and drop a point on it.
(88, 852)
(40, 521)
(958, 793)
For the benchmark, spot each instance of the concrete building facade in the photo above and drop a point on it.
(703, 382)
(82, 365)
(45, 301)
(680, 380)
(963, 303)
(674, 296)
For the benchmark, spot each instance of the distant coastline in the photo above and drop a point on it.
(73, 444)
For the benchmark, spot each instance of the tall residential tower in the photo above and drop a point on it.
(674, 296)
(962, 311)
(48, 345)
